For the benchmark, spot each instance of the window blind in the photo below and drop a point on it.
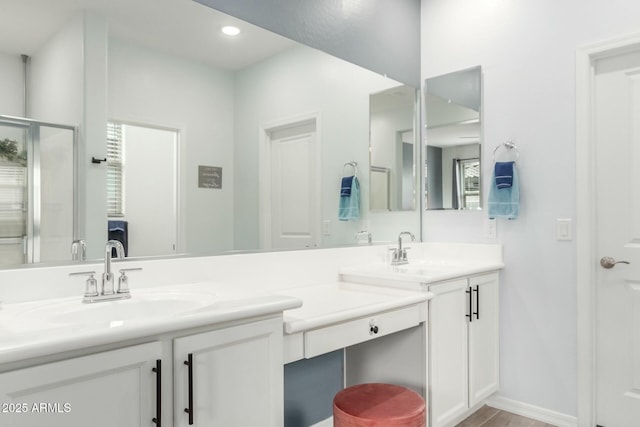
(115, 169)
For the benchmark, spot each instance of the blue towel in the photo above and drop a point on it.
(349, 208)
(504, 202)
(345, 189)
(503, 174)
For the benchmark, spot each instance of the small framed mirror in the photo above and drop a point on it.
(454, 139)
(392, 148)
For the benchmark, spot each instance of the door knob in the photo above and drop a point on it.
(608, 262)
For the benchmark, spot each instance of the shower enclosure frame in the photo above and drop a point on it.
(31, 242)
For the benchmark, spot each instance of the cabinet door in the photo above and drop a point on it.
(448, 351)
(236, 377)
(483, 339)
(114, 388)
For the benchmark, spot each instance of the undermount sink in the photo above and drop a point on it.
(414, 268)
(141, 306)
(421, 268)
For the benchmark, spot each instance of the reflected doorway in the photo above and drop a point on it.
(290, 190)
(142, 188)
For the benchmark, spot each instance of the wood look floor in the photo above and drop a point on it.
(492, 417)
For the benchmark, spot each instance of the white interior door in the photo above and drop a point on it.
(295, 199)
(617, 294)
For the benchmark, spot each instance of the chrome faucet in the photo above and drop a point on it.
(365, 233)
(78, 250)
(399, 255)
(107, 276)
(106, 291)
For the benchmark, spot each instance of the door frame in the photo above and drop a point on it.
(586, 255)
(264, 173)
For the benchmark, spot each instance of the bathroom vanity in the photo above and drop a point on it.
(64, 366)
(463, 328)
(199, 350)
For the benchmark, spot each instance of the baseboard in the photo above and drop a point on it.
(531, 411)
(324, 423)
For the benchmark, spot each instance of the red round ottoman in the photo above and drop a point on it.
(378, 405)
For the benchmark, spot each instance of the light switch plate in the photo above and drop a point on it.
(564, 229)
(326, 227)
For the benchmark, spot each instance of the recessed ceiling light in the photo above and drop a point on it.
(231, 30)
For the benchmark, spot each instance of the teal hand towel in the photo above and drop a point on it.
(349, 208)
(504, 202)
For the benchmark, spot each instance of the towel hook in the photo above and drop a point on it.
(508, 144)
(354, 165)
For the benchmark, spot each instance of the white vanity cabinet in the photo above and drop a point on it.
(233, 376)
(230, 377)
(463, 357)
(112, 388)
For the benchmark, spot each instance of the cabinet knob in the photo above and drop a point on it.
(373, 327)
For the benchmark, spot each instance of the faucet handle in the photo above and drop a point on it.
(123, 280)
(78, 250)
(91, 286)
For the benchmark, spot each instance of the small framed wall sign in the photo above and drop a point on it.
(209, 177)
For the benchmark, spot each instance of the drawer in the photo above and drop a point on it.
(334, 337)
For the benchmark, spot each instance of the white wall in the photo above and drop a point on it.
(527, 51)
(303, 81)
(68, 85)
(152, 88)
(11, 85)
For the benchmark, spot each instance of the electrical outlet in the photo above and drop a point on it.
(490, 228)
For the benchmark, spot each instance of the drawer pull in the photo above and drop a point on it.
(189, 410)
(470, 315)
(158, 370)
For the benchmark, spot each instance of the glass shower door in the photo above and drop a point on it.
(37, 191)
(14, 206)
(55, 157)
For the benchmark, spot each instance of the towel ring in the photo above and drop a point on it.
(354, 165)
(510, 145)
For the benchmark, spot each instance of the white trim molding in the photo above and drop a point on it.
(532, 411)
(586, 256)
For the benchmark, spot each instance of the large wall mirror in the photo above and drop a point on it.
(201, 121)
(454, 136)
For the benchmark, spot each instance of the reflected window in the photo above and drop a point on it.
(469, 184)
(115, 167)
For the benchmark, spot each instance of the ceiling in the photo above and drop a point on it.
(179, 27)
(393, 99)
(454, 135)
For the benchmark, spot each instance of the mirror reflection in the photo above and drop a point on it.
(199, 116)
(454, 128)
(393, 149)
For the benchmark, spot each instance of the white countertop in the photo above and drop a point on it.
(417, 273)
(336, 302)
(26, 333)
